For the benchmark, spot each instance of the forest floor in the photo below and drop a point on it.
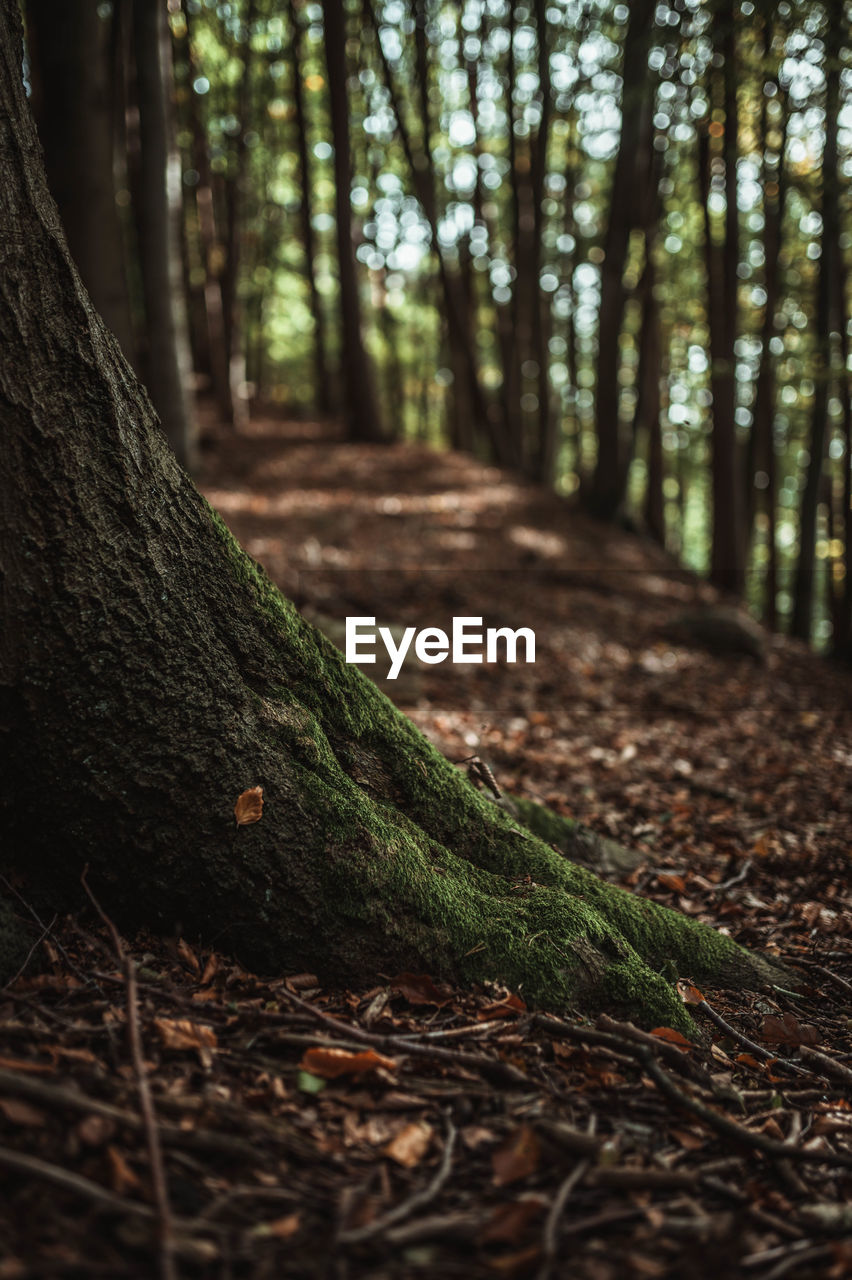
(409, 1129)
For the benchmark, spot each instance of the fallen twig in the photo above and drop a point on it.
(165, 1233)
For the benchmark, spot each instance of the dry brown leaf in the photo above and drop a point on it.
(410, 1145)
(188, 956)
(121, 1175)
(787, 1030)
(689, 993)
(249, 806)
(418, 988)
(509, 1222)
(94, 1131)
(182, 1033)
(331, 1063)
(210, 969)
(508, 1007)
(17, 1111)
(280, 1229)
(517, 1158)
(673, 1037)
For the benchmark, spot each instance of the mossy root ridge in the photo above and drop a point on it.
(414, 858)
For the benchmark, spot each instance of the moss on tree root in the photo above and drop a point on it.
(411, 855)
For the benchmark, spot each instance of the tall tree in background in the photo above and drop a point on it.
(322, 379)
(727, 553)
(159, 209)
(236, 196)
(211, 247)
(361, 406)
(761, 477)
(827, 315)
(70, 48)
(609, 479)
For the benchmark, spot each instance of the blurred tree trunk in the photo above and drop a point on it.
(323, 388)
(167, 363)
(70, 50)
(826, 315)
(361, 407)
(608, 485)
(646, 418)
(235, 230)
(842, 636)
(212, 250)
(727, 555)
(545, 452)
(484, 418)
(761, 479)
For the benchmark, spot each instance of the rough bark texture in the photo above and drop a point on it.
(73, 103)
(150, 673)
(361, 408)
(159, 210)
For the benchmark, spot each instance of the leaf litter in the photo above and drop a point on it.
(453, 1132)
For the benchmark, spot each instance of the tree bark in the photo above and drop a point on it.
(727, 554)
(69, 47)
(150, 673)
(361, 409)
(322, 380)
(608, 486)
(167, 365)
(826, 311)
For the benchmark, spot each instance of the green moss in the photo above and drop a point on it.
(413, 867)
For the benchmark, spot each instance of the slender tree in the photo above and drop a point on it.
(71, 74)
(322, 377)
(608, 487)
(727, 552)
(159, 210)
(361, 407)
(826, 316)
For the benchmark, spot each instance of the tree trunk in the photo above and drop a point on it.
(212, 250)
(362, 406)
(322, 380)
(608, 487)
(167, 365)
(727, 555)
(826, 310)
(69, 47)
(150, 673)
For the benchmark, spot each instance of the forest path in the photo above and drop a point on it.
(709, 762)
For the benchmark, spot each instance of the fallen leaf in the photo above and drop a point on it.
(673, 882)
(509, 1006)
(94, 1131)
(410, 1145)
(182, 1033)
(517, 1158)
(280, 1229)
(689, 993)
(787, 1030)
(672, 1036)
(17, 1111)
(331, 1063)
(509, 1221)
(249, 806)
(418, 988)
(210, 969)
(188, 956)
(122, 1176)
